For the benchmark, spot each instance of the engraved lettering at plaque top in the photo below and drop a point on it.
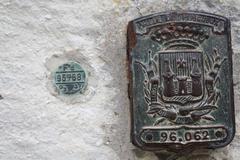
(181, 87)
(70, 78)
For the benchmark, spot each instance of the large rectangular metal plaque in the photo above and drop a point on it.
(181, 88)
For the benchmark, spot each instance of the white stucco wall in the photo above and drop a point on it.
(37, 35)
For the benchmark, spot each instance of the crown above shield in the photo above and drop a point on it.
(184, 35)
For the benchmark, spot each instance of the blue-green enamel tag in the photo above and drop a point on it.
(70, 78)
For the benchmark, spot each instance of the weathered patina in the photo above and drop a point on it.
(180, 81)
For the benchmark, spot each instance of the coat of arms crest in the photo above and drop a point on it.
(181, 85)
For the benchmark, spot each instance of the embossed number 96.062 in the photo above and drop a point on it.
(186, 136)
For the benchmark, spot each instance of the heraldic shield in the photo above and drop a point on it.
(180, 73)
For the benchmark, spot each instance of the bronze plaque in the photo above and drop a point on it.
(181, 87)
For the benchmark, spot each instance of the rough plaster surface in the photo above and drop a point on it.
(36, 35)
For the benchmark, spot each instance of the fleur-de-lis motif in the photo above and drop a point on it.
(181, 63)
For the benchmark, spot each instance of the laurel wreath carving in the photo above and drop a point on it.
(170, 112)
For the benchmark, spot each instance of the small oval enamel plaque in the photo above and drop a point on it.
(181, 87)
(70, 78)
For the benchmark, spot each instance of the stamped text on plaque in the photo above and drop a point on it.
(70, 78)
(180, 72)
